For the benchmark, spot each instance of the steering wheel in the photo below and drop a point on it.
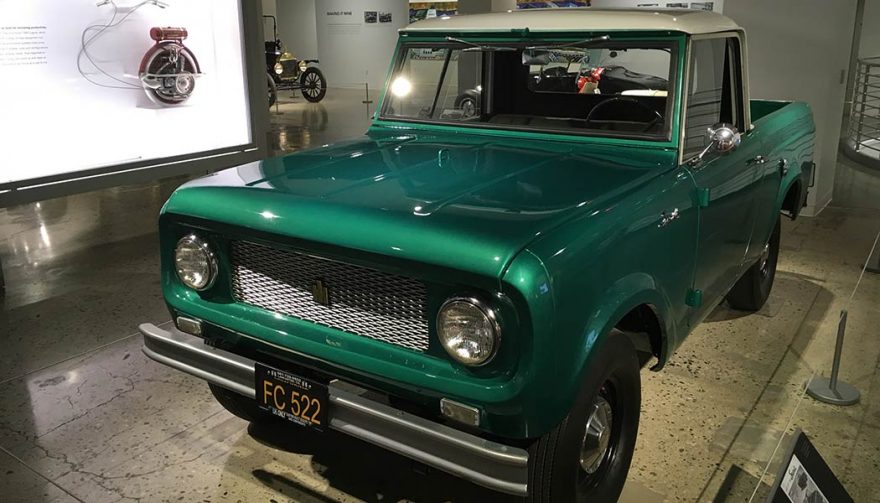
(627, 100)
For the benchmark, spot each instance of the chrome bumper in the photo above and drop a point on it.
(489, 464)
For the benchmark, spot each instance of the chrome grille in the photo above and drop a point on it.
(362, 301)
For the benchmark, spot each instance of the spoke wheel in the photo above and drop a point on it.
(313, 85)
(273, 91)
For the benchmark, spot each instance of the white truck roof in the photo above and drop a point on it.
(581, 19)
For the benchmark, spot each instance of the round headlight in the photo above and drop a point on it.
(279, 69)
(468, 330)
(195, 263)
(303, 65)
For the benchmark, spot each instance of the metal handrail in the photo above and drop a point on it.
(863, 131)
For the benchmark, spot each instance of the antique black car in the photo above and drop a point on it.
(287, 72)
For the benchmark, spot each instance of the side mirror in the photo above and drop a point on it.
(721, 138)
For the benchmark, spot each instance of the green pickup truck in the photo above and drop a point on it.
(546, 203)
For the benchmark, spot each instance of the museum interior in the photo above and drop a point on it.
(427, 270)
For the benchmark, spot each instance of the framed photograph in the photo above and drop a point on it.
(384, 17)
(703, 5)
(370, 16)
(677, 5)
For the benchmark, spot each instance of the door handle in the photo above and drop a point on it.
(665, 217)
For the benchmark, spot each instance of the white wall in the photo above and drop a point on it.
(297, 28)
(870, 45)
(351, 51)
(269, 9)
(797, 51)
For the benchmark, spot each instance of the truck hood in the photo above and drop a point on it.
(466, 202)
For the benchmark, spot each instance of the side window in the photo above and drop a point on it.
(714, 92)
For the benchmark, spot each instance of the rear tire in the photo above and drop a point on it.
(750, 293)
(240, 405)
(273, 91)
(586, 458)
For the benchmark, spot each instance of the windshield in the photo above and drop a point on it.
(606, 88)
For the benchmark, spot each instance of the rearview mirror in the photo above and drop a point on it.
(721, 138)
(535, 57)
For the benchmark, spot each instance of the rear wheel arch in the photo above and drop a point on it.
(792, 200)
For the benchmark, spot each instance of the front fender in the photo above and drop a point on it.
(622, 297)
(564, 344)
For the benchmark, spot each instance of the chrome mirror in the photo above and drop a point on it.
(721, 138)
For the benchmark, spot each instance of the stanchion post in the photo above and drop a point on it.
(875, 268)
(832, 390)
(367, 101)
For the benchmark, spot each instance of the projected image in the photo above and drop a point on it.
(116, 77)
(167, 71)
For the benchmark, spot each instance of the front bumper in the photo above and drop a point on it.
(489, 464)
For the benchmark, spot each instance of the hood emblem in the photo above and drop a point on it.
(320, 293)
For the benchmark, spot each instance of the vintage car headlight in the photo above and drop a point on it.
(468, 330)
(195, 263)
(279, 69)
(303, 65)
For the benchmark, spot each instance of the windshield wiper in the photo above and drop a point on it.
(603, 38)
(478, 47)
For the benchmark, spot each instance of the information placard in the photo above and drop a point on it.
(805, 477)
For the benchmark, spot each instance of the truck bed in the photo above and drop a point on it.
(762, 108)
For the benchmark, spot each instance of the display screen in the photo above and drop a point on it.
(87, 84)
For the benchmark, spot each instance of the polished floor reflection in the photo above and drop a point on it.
(84, 416)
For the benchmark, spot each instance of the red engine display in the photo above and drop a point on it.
(168, 33)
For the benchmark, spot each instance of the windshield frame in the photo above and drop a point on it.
(675, 41)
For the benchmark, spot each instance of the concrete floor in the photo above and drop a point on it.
(84, 416)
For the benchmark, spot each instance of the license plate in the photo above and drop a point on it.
(289, 396)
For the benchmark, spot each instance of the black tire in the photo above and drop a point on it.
(273, 91)
(556, 471)
(240, 405)
(313, 85)
(469, 103)
(750, 293)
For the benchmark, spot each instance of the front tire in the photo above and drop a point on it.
(313, 85)
(586, 458)
(750, 293)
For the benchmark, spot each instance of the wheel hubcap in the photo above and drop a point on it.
(765, 261)
(468, 108)
(597, 437)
